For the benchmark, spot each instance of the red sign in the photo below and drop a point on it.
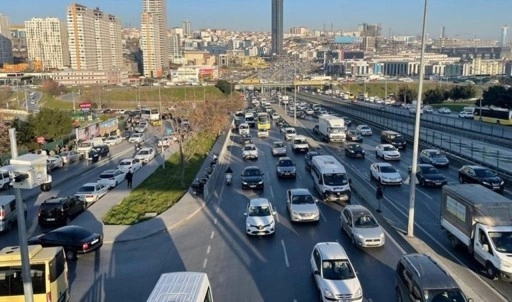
(40, 140)
(85, 105)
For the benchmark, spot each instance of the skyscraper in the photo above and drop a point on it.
(503, 40)
(5, 41)
(277, 27)
(94, 39)
(154, 42)
(47, 41)
(186, 28)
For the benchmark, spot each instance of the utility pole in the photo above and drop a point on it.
(161, 126)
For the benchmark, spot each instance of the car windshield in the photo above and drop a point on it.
(452, 295)
(290, 131)
(285, 163)
(250, 148)
(143, 152)
(335, 129)
(337, 270)
(300, 141)
(111, 138)
(364, 128)
(484, 173)
(436, 154)
(88, 144)
(106, 175)
(387, 169)
(252, 172)
(302, 199)
(355, 147)
(365, 221)
(389, 148)
(259, 211)
(335, 179)
(125, 163)
(502, 241)
(87, 189)
(429, 170)
(278, 145)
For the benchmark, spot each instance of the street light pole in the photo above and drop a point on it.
(161, 125)
(412, 176)
(73, 96)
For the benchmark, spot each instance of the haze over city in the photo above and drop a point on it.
(461, 18)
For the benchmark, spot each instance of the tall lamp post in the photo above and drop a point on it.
(412, 176)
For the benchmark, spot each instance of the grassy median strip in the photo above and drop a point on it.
(162, 189)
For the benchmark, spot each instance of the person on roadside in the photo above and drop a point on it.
(129, 178)
(379, 194)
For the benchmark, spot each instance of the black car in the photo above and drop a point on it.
(428, 175)
(354, 150)
(480, 175)
(252, 178)
(316, 129)
(98, 152)
(74, 239)
(308, 158)
(60, 210)
(354, 136)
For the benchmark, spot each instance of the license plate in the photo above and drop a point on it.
(252, 186)
(94, 241)
(50, 219)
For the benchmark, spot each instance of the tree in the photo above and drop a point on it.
(434, 96)
(51, 124)
(406, 94)
(224, 86)
(498, 96)
(51, 87)
(4, 133)
(459, 92)
(24, 132)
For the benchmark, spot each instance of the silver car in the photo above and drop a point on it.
(362, 228)
(278, 148)
(302, 205)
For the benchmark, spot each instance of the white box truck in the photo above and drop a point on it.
(481, 220)
(331, 128)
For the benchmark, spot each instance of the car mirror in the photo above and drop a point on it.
(245, 214)
(349, 181)
(274, 213)
(316, 272)
(316, 200)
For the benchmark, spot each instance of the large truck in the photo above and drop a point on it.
(331, 128)
(481, 220)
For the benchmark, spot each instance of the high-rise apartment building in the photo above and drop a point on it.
(5, 41)
(277, 27)
(47, 42)
(94, 39)
(154, 42)
(175, 52)
(187, 31)
(299, 31)
(503, 39)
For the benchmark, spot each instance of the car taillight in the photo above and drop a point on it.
(2, 214)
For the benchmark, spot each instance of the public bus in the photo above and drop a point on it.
(48, 271)
(182, 286)
(495, 115)
(149, 114)
(263, 121)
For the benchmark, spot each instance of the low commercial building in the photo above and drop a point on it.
(91, 77)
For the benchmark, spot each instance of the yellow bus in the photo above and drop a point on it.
(48, 270)
(495, 115)
(263, 121)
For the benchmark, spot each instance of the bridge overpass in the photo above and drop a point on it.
(256, 83)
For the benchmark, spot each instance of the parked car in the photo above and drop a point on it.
(91, 192)
(60, 210)
(434, 157)
(113, 140)
(302, 205)
(70, 156)
(444, 110)
(361, 227)
(252, 178)
(387, 152)
(74, 239)
(111, 177)
(308, 158)
(133, 164)
(285, 167)
(166, 141)
(260, 217)
(278, 148)
(365, 130)
(481, 175)
(428, 175)
(249, 151)
(354, 150)
(54, 162)
(385, 174)
(354, 136)
(334, 274)
(145, 155)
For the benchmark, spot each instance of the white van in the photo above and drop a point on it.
(84, 147)
(5, 180)
(8, 212)
(243, 129)
(182, 287)
(330, 178)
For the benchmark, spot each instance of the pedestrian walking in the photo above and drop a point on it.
(129, 178)
(379, 194)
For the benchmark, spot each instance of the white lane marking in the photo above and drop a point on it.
(213, 234)
(217, 210)
(271, 192)
(215, 220)
(208, 249)
(424, 194)
(205, 262)
(285, 254)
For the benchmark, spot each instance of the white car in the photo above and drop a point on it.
(466, 114)
(136, 138)
(309, 111)
(385, 174)
(126, 164)
(54, 162)
(278, 148)
(334, 274)
(262, 133)
(113, 140)
(250, 152)
(289, 133)
(428, 109)
(91, 192)
(387, 152)
(69, 156)
(275, 116)
(444, 110)
(361, 227)
(145, 155)
(111, 178)
(166, 141)
(365, 130)
(302, 206)
(260, 217)
(300, 144)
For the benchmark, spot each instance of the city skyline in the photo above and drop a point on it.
(472, 21)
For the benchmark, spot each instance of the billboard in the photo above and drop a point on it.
(347, 40)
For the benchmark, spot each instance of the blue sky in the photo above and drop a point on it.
(464, 18)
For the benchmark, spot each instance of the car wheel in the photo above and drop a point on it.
(353, 240)
(461, 180)
(422, 182)
(70, 254)
(5, 186)
(398, 295)
(68, 220)
(491, 271)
